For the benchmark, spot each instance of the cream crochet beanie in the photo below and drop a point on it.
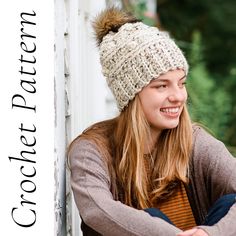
(132, 53)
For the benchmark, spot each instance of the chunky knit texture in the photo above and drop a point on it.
(135, 55)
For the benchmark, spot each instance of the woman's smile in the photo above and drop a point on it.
(171, 112)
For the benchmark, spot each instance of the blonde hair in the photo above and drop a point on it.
(137, 180)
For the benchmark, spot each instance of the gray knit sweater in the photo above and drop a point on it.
(212, 174)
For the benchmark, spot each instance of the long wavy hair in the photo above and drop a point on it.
(140, 180)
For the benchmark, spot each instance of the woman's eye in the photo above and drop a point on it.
(182, 85)
(161, 86)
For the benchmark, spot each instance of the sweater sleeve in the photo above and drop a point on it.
(218, 168)
(91, 189)
(226, 226)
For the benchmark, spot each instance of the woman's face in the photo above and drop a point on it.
(163, 100)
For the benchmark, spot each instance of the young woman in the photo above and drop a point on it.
(149, 171)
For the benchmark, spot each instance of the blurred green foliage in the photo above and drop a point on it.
(216, 22)
(209, 103)
(139, 9)
(216, 69)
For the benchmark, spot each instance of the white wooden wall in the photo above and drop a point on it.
(86, 87)
(81, 96)
(59, 123)
(86, 95)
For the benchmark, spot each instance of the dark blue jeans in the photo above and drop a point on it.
(216, 212)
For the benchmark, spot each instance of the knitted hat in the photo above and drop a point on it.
(132, 53)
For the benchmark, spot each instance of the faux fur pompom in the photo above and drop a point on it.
(110, 20)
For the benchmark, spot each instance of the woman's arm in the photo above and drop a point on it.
(226, 226)
(91, 187)
(218, 167)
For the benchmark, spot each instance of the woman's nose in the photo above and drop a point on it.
(178, 95)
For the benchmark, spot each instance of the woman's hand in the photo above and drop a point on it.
(193, 232)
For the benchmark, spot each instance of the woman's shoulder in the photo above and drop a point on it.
(81, 143)
(206, 147)
(97, 132)
(85, 153)
(202, 137)
(94, 141)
